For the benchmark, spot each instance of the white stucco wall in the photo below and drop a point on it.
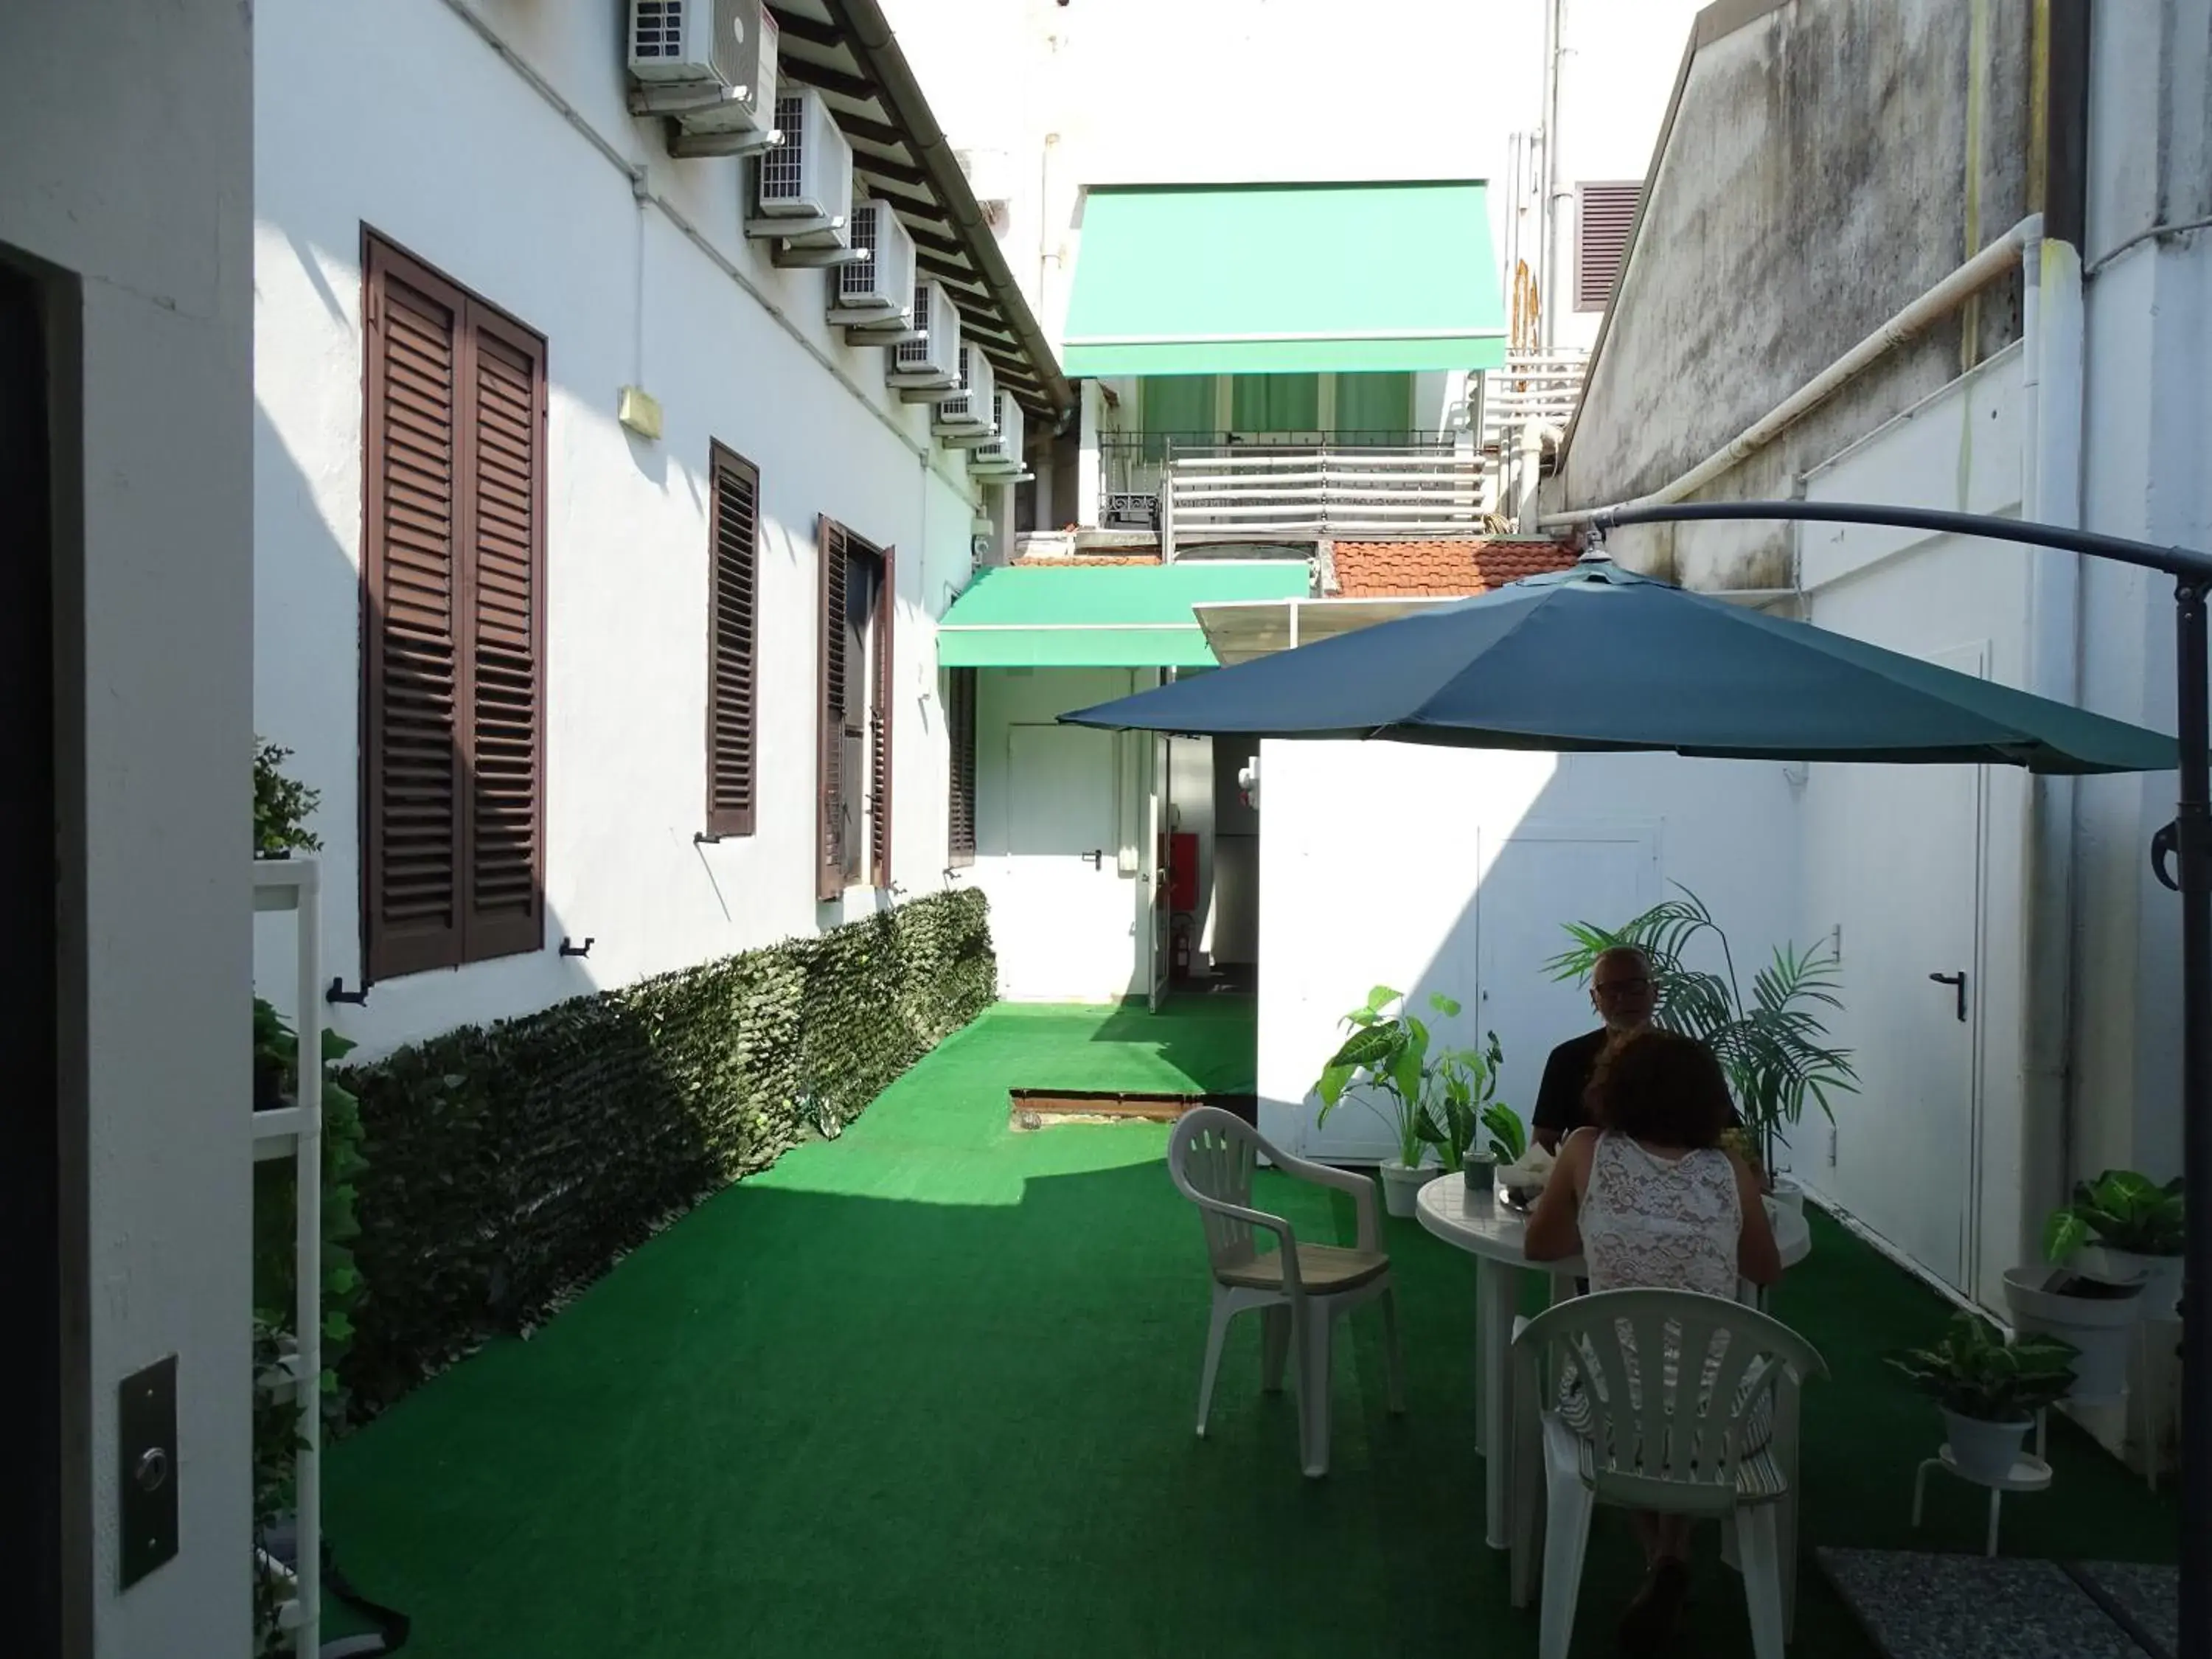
(1377, 862)
(144, 198)
(433, 141)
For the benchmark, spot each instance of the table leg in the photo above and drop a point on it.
(1480, 1375)
(1493, 1336)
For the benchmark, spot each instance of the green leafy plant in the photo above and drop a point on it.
(1975, 1373)
(1772, 1044)
(276, 1424)
(1458, 1100)
(281, 806)
(1389, 1062)
(2122, 1211)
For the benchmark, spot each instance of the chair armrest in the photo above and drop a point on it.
(1286, 1241)
(1361, 1189)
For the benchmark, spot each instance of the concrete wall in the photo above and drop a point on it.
(435, 142)
(1765, 254)
(142, 202)
(1427, 869)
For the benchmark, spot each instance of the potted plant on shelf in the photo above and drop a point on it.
(2124, 1228)
(1387, 1061)
(1773, 1043)
(1990, 1391)
(281, 806)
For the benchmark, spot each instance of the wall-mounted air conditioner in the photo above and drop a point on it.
(709, 63)
(999, 458)
(877, 292)
(802, 189)
(926, 368)
(969, 418)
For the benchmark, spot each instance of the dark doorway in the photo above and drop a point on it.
(31, 1451)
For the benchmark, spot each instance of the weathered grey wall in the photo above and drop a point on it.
(1828, 161)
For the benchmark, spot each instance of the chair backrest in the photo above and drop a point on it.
(1679, 1388)
(1210, 1157)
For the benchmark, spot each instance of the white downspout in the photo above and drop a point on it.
(1999, 259)
(1554, 44)
(2053, 363)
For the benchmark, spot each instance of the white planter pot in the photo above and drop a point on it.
(2159, 1275)
(1788, 1193)
(1985, 1452)
(1401, 1187)
(2103, 1328)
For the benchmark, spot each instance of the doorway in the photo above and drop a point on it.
(30, 1123)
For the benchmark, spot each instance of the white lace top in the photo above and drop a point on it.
(1649, 1223)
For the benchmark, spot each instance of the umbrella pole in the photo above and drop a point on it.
(2192, 839)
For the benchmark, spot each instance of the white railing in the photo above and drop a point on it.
(1543, 388)
(1340, 491)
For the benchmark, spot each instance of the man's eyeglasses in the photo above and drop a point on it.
(1619, 986)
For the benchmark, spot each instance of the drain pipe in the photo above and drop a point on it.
(1994, 263)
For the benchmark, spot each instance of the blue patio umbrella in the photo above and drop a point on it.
(1595, 658)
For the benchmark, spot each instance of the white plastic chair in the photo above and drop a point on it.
(1302, 1288)
(1702, 1433)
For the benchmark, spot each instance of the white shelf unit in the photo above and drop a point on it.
(296, 1132)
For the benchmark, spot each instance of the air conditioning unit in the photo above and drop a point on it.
(969, 418)
(711, 64)
(878, 291)
(803, 188)
(926, 368)
(999, 459)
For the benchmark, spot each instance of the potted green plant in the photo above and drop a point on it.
(1772, 1042)
(1387, 1063)
(281, 806)
(1472, 1131)
(1989, 1390)
(2124, 1228)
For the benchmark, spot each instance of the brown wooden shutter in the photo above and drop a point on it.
(453, 741)
(830, 718)
(412, 774)
(882, 727)
(960, 733)
(1604, 214)
(732, 651)
(504, 516)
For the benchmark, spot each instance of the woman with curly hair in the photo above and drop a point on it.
(1651, 1201)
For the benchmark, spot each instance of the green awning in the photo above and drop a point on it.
(1270, 279)
(1101, 616)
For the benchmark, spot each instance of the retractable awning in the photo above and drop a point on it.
(1265, 279)
(1102, 616)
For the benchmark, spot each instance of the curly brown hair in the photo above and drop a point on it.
(1661, 1087)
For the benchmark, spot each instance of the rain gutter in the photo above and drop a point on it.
(1992, 264)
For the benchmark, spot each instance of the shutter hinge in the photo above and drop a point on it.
(372, 309)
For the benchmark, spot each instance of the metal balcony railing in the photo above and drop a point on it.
(1291, 486)
(1534, 387)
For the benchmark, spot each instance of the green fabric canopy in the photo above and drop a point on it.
(1273, 279)
(1101, 616)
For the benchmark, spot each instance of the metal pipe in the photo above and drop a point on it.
(1554, 22)
(1996, 261)
(2191, 839)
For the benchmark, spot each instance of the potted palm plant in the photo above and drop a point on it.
(1386, 1062)
(2124, 1228)
(1990, 1390)
(1772, 1042)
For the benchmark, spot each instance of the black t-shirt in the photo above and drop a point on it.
(1566, 1076)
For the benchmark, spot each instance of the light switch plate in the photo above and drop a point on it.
(146, 1445)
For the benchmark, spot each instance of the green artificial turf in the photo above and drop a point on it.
(928, 1390)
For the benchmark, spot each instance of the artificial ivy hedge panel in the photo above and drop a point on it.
(510, 1163)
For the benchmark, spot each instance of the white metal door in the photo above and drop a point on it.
(1901, 848)
(1540, 878)
(1064, 927)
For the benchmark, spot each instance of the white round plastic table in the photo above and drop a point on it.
(1493, 1233)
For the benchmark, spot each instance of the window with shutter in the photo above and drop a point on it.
(453, 762)
(732, 673)
(1604, 214)
(960, 731)
(853, 716)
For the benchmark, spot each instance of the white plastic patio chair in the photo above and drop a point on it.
(1714, 1433)
(1302, 1289)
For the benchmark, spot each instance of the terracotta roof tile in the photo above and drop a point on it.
(1395, 570)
